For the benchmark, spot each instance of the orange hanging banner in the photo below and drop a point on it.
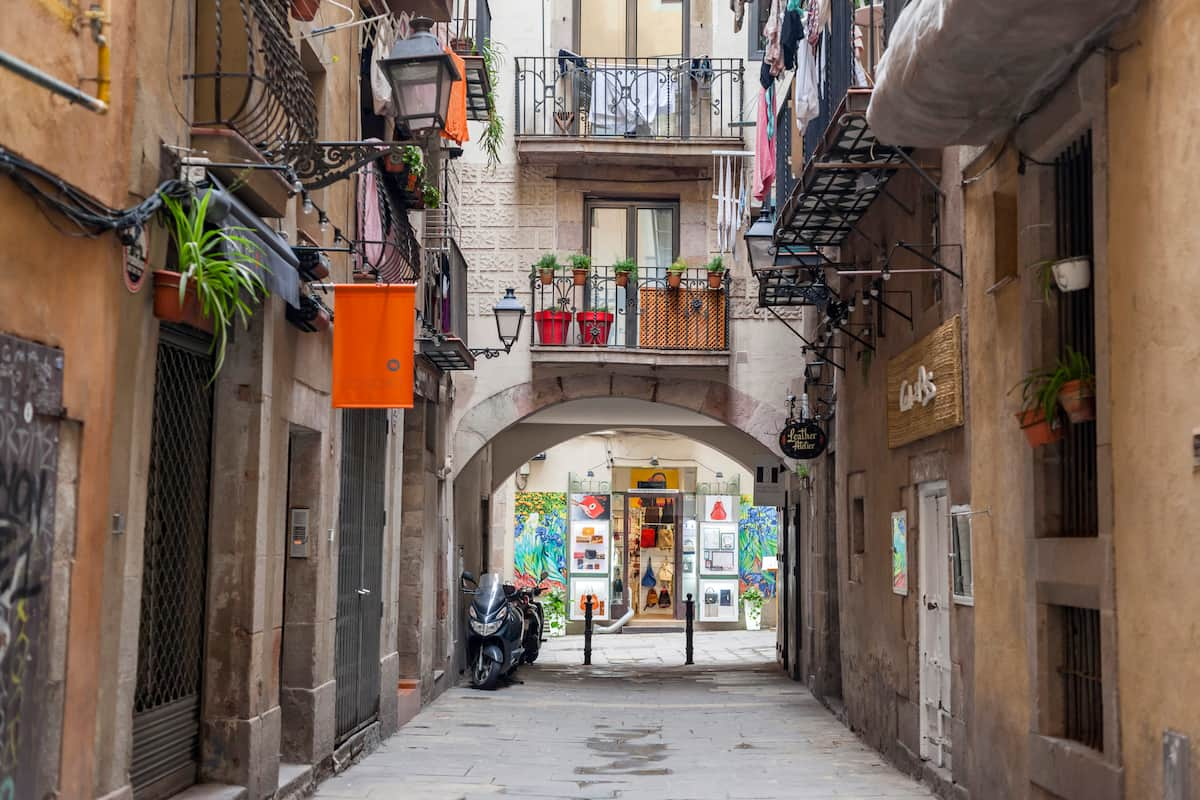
(373, 345)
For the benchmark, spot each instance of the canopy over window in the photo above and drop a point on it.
(963, 71)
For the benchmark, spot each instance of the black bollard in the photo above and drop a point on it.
(689, 614)
(587, 630)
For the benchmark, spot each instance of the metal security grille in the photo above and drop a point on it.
(1077, 330)
(166, 719)
(1083, 705)
(360, 569)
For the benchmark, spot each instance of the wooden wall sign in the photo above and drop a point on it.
(924, 386)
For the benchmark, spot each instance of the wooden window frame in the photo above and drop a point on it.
(631, 29)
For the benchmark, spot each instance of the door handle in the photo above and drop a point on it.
(363, 591)
(932, 606)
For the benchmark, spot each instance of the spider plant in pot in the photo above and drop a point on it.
(217, 282)
(1065, 274)
(545, 268)
(581, 264)
(675, 273)
(1038, 416)
(1075, 386)
(716, 273)
(625, 269)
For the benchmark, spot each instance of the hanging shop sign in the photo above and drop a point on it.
(924, 386)
(373, 346)
(802, 439)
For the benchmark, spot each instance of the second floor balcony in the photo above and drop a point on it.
(572, 108)
(651, 318)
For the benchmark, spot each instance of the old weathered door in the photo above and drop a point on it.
(360, 568)
(935, 623)
(166, 712)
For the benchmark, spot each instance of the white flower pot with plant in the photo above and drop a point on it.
(752, 604)
(1072, 274)
(555, 608)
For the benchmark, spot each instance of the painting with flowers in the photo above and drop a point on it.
(758, 536)
(539, 539)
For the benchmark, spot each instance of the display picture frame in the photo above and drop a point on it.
(720, 508)
(589, 550)
(725, 596)
(598, 586)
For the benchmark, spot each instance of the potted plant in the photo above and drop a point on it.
(594, 326)
(675, 273)
(1038, 416)
(1075, 386)
(581, 264)
(625, 269)
(545, 268)
(217, 281)
(1067, 274)
(430, 196)
(716, 273)
(752, 603)
(555, 607)
(410, 163)
(552, 326)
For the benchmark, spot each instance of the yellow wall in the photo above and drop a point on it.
(1154, 251)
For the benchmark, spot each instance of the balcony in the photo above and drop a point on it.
(468, 32)
(571, 109)
(645, 322)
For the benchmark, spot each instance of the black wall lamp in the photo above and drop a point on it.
(509, 314)
(421, 74)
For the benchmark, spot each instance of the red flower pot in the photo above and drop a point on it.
(594, 327)
(1078, 399)
(168, 308)
(552, 326)
(1038, 431)
(305, 10)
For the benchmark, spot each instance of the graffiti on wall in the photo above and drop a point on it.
(30, 400)
(539, 539)
(758, 536)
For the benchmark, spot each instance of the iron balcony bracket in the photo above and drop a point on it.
(819, 349)
(319, 164)
(932, 260)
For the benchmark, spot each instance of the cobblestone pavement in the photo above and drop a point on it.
(636, 725)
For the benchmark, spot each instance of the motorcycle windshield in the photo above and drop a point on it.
(489, 597)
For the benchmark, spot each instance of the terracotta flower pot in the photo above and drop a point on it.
(552, 326)
(1078, 399)
(168, 308)
(580, 276)
(547, 276)
(674, 279)
(305, 10)
(715, 280)
(1038, 431)
(622, 279)
(594, 327)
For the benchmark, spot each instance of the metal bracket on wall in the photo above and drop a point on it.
(820, 349)
(934, 260)
(319, 164)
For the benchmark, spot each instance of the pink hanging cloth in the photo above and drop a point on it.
(764, 148)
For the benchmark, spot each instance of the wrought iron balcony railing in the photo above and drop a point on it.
(386, 246)
(643, 98)
(647, 313)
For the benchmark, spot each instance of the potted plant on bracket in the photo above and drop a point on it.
(625, 269)
(1038, 416)
(1067, 274)
(581, 264)
(716, 273)
(1074, 387)
(675, 273)
(594, 326)
(752, 603)
(545, 268)
(217, 281)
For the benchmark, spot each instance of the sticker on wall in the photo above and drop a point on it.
(900, 552)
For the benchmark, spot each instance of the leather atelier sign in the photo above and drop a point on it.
(924, 386)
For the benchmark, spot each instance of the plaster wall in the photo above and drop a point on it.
(1155, 379)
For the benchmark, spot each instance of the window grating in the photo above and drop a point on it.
(1083, 704)
(1077, 330)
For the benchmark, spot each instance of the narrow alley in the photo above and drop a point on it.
(635, 725)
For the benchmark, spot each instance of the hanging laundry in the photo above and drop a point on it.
(381, 87)
(807, 98)
(720, 197)
(772, 53)
(792, 33)
(456, 112)
(738, 7)
(818, 18)
(764, 150)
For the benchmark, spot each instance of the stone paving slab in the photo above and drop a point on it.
(637, 725)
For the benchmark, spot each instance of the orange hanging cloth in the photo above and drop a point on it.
(456, 113)
(373, 345)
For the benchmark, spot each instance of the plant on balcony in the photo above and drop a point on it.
(625, 270)
(552, 326)
(492, 137)
(1038, 416)
(594, 326)
(411, 164)
(545, 268)
(217, 281)
(675, 273)
(430, 196)
(716, 273)
(581, 264)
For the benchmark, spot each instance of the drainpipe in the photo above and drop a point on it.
(97, 18)
(616, 626)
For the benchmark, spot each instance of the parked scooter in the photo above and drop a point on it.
(535, 617)
(496, 620)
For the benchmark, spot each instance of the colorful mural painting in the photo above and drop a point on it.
(539, 536)
(758, 536)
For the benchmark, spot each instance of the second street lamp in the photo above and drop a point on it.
(509, 315)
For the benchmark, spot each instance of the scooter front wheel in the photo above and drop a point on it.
(485, 673)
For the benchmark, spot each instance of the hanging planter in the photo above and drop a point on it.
(552, 326)
(168, 307)
(594, 327)
(310, 317)
(1078, 399)
(305, 10)
(1072, 274)
(1039, 432)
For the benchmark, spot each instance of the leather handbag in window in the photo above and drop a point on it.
(648, 580)
(649, 538)
(651, 598)
(664, 599)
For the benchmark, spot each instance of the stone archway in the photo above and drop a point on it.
(714, 399)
